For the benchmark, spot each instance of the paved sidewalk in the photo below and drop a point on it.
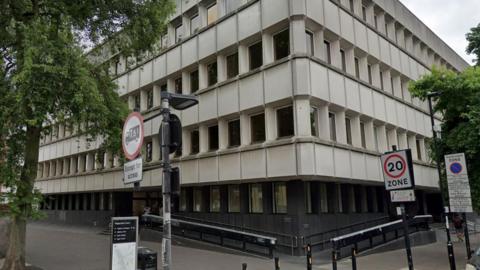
(54, 247)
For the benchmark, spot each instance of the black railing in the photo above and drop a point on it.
(228, 237)
(321, 240)
(377, 235)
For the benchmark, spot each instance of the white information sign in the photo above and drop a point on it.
(132, 171)
(132, 135)
(406, 195)
(124, 243)
(397, 170)
(458, 185)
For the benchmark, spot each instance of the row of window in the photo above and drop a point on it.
(82, 201)
(319, 197)
(396, 32)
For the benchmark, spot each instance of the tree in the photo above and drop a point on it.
(459, 106)
(46, 77)
(473, 38)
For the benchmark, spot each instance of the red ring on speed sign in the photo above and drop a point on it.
(404, 165)
(129, 154)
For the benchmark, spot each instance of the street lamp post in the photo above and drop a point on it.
(451, 255)
(178, 102)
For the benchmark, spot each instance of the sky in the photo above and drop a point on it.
(448, 19)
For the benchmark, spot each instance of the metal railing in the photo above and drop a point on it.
(377, 235)
(220, 235)
(321, 240)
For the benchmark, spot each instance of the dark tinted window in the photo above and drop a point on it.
(256, 56)
(150, 99)
(232, 65)
(194, 81)
(281, 43)
(213, 137)
(178, 85)
(234, 133)
(285, 122)
(333, 132)
(194, 142)
(257, 123)
(212, 73)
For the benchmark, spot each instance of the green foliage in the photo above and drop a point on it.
(459, 106)
(473, 38)
(46, 77)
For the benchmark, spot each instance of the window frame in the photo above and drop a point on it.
(230, 145)
(210, 148)
(210, 80)
(230, 191)
(251, 206)
(252, 56)
(332, 123)
(278, 53)
(276, 200)
(280, 122)
(310, 43)
(192, 152)
(252, 130)
(229, 68)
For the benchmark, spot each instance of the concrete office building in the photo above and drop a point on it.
(297, 100)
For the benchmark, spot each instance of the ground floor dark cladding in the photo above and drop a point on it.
(291, 210)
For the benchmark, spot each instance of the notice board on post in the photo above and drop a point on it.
(458, 183)
(124, 243)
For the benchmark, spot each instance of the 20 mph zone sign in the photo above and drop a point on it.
(397, 170)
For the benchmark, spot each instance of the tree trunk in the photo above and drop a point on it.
(15, 257)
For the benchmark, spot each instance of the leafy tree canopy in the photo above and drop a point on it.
(473, 38)
(46, 76)
(459, 106)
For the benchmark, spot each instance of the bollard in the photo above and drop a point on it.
(309, 257)
(451, 256)
(334, 260)
(277, 263)
(354, 258)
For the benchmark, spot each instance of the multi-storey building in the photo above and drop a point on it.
(297, 100)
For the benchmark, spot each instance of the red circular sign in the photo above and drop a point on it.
(393, 168)
(132, 135)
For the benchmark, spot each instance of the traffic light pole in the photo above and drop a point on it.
(167, 233)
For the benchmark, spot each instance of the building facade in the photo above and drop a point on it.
(297, 100)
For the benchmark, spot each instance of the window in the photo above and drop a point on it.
(212, 73)
(419, 150)
(351, 5)
(381, 80)
(257, 123)
(215, 199)
(194, 81)
(136, 105)
(213, 138)
(197, 200)
(369, 68)
(327, 52)
(183, 200)
(310, 43)
(375, 131)
(364, 13)
(231, 5)
(280, 198)
(178, 33)
(281, 43)
(194, 24)
(344, 64)
(164, 40)
(212, 14)
(323, 198)
(362, 135)
(314, 121)
(148, 148)
(234, 133)
(308, 198)
(232, 65)
(348, 126)
(194, 142)
(256, 198)
(376, 21)
(331, 121)
(178, 85)
(393, 86)
(285, 122)
(256, 56)
(163, 88)
(150, 99)
(233, 198)
(357, 69)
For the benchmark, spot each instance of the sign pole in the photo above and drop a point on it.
(167, 233)
(467, 237)
(407, 237)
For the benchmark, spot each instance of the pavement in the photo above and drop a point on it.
(54, 247)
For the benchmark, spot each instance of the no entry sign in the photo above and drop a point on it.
(397, 170)
(132, 135)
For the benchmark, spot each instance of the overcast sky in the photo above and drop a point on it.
(449, 19)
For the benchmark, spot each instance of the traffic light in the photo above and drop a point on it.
(175, 134)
